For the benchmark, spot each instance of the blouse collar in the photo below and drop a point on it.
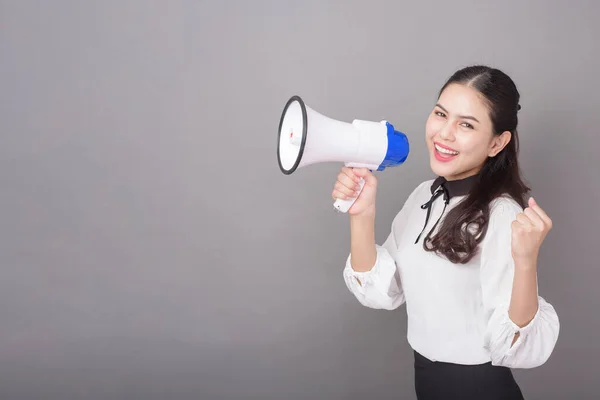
(449, 189)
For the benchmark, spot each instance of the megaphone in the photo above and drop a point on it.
(306, 137)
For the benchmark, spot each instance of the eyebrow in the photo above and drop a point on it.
(460, 116)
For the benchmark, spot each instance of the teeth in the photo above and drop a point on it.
(445, 151)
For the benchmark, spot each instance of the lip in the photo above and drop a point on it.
(445, 147)
(443, 158)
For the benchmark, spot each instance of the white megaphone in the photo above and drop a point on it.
(306, 137)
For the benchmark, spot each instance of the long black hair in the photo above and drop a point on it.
(465, 226)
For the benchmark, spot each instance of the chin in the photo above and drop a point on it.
(440, 171)
(441, 168)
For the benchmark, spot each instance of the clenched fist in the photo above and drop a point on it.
(347, 187)
(529, 230)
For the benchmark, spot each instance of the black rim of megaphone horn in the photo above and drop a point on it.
(304, 129)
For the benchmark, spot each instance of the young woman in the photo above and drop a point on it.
(462, 252)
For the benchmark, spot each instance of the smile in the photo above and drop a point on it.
(444, 154)
(445, 150)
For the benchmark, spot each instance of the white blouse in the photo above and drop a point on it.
(457, 313)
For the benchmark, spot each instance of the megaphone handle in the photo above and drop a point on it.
(344, 205)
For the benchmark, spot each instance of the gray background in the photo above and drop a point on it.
(150, 248)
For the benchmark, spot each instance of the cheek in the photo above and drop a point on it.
(473, 147)
(431, 128)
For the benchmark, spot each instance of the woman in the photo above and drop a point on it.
(462, 252)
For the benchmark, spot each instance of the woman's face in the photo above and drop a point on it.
(459, 133)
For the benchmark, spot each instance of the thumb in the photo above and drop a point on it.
(532, 202)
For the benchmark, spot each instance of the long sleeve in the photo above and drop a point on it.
(381, 288)
(537, 339)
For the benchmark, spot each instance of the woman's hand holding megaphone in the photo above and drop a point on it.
(347, 186)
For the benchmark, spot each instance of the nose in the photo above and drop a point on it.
(447, 131)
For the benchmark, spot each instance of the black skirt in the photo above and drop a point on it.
(447, 381)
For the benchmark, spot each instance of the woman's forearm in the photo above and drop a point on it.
(363, 253)
(524, 299)
(528, 232)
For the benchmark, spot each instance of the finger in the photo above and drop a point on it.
(336, 194)
(362, 172)
(535, 219)
(359, 171)
(347, 181)
(523, 220)
(538, 210)
(516, 226)
(367, 175)
(351, 173)
(345, 190)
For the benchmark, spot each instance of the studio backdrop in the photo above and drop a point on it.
(152, 248)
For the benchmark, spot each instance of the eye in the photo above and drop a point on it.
(440, 114)
(467, 125)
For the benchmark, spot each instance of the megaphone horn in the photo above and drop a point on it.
(306, 137)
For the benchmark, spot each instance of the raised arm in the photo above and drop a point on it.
(521, 326)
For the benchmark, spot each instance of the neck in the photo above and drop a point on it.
(461, 177)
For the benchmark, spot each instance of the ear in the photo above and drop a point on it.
(498, 143)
